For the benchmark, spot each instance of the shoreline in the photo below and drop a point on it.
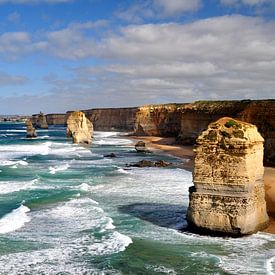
(168, 146)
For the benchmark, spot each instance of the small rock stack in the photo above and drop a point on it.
(31, 132)
(79, 128)
(228, 195)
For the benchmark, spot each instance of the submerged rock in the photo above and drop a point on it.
(41, 122)
(79, 128)
(140, 147)
(228, 195)
(31, 132)
(148, 163)
(112, 155)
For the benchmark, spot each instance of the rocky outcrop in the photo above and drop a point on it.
(141, 147)
(147, 163)
(228, 195)
(31, 132)
(41, 122)
(79, 128)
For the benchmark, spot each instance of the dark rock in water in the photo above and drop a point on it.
(112, 155)
(140, 147)
(148, 163)
(31, 133)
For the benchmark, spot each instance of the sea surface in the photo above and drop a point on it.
(67, 209)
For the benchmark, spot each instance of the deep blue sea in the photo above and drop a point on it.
(65, 209)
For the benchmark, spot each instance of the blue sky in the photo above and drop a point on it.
(59, 55)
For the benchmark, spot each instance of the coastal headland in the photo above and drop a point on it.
(173, 128)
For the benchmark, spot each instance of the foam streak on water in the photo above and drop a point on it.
(14, 220)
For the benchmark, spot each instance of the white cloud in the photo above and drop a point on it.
(11, 80)
(176, 7)
(212, 58)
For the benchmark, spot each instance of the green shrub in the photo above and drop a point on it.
(230, 123)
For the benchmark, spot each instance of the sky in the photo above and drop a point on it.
(60, 55)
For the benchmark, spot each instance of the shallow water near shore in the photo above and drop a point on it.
(65, 209)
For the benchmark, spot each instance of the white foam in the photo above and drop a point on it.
(14, 220)
(84, 187)
(16, 162)
(114, 243)
(55, 169)
(270, 266)
(15, 186)
(110, 225)
(123, 171)
(110, 138)
(10, 152)
(161, 269)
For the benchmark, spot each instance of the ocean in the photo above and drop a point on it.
(67, 209)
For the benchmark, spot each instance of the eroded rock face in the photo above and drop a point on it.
(79, 128)
(31, 132)
(41, 122)
(228, 195)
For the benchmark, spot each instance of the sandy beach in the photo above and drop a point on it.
(168, 146)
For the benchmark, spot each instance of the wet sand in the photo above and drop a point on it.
(168, 146)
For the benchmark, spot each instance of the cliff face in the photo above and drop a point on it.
(158, 120)
(112, 119)
(183, 121)
(262, 114)
(228, 194)
(56, 119)
(196, 116)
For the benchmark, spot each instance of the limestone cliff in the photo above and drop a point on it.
(56, 119)
(79, 128)
(112, 119)
(182, 121)
(228, 194)
(158, 120)
(31, 132)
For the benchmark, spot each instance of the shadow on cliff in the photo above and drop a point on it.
(160, 214)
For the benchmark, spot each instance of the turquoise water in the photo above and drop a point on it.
(65, 209)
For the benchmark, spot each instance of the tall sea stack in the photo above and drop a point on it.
(79, 128)
(31, 133)
(228, 195)
(41, 122)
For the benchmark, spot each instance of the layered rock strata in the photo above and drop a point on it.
(31, 132)
(228, 195)
(56, 119)
(79, 128)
